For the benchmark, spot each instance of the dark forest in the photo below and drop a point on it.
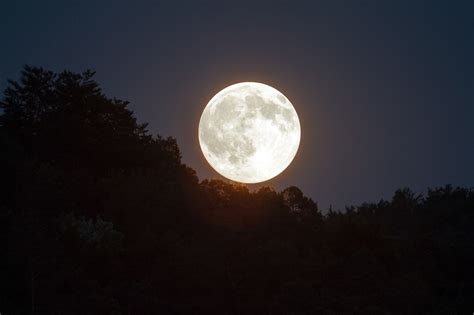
(98, 216)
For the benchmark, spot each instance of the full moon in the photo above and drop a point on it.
(249, 132)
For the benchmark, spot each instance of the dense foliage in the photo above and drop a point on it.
(99, 217)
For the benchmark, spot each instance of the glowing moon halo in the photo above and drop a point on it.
(249, 132)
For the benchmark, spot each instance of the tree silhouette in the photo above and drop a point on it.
(97, 216)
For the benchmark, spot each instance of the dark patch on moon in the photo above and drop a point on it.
(281, 98)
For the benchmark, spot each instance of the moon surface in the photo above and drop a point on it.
(249, 132)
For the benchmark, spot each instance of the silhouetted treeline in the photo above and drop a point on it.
(100, 217)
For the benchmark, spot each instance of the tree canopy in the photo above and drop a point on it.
(98, 216)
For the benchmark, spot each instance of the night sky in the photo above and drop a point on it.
(384, 91)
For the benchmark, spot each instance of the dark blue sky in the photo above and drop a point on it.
(384, 89)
